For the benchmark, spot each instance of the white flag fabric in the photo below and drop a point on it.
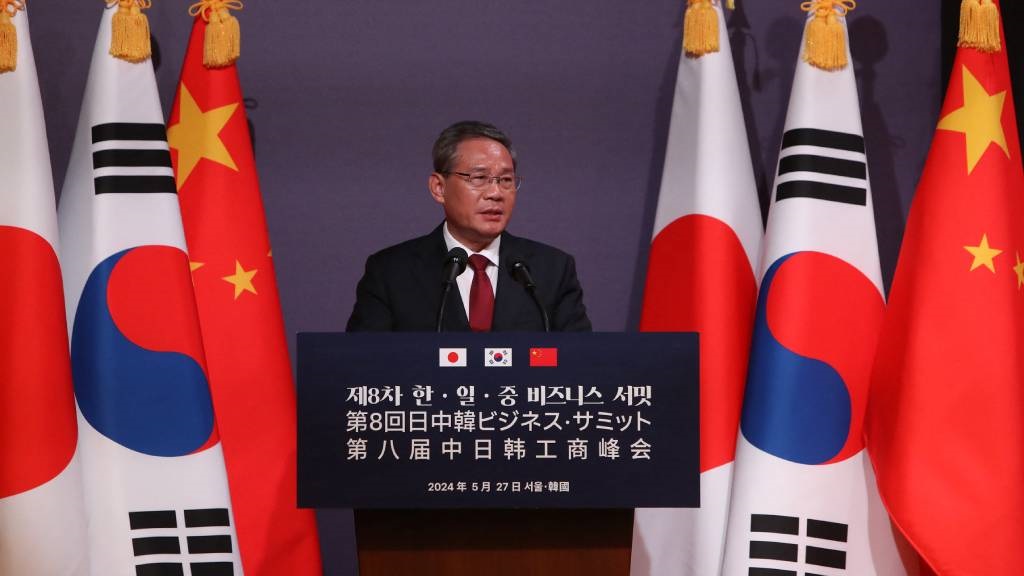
(153, 471)
(804, 499)
(701, 277)
(42, 519)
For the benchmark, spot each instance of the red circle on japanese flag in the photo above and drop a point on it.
(453, 357)
(699, 279)
(38, 428)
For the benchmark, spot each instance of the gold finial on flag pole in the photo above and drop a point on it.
(979, 26)
(129, 34)
(700, 28)
(9, 35)
(825, 45)
(222, 43)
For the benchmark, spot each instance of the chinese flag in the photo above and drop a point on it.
(945, 427)
(543, 356)
(240, 316)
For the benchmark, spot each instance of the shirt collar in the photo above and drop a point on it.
(490, 251)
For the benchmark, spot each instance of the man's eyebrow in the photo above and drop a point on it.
(508, 170)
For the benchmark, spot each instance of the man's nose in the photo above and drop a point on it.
(492, 191)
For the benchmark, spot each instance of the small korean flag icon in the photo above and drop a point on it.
(497, 357)
(451, 357)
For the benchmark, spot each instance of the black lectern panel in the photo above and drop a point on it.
(605, 420)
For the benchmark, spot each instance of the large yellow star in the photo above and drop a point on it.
(241, 279)
(197, 135)
(980, 119)
(1019, 269)
(983, 254)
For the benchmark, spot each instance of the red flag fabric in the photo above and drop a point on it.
(543, 356)
(41, 501)
(945, 423)
(701, 277)
(240, 316)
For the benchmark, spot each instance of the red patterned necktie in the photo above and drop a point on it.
(481, 295)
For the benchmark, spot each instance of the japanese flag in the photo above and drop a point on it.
(451, 357)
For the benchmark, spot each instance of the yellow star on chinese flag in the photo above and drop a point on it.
(192, 267)
(1019, 269)
(983, 254)
(980, 119)
(197, 135)
(241, 279)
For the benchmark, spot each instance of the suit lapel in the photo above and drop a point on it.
(455, 319)
(431, 253)
(512, 304)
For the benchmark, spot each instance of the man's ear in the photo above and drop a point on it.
(435, 183)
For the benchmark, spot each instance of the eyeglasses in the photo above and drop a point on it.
(481, 181)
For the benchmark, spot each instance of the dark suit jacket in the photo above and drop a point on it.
(401, 289)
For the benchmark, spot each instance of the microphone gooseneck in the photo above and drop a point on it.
(454, 264)
(520, 272)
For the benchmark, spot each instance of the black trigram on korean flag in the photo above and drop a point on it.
(777, 547)
(823, 165)
(131, 158)
(157, 542)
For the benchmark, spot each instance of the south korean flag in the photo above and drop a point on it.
(131, 158)
(153, 477)
(804, 499)
(494, 357)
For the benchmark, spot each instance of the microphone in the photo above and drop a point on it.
(520, 272)
(454, 264)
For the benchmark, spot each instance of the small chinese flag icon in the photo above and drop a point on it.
(543, 356)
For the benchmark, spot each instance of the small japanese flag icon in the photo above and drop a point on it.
(451, 357)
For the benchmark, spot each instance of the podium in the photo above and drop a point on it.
(494, 542)
(514, 453)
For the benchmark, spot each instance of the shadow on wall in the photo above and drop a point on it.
(746, 57)
(772, 84)
(870, 44)
(663, 117)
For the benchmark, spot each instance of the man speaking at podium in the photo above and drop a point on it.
(469, 273)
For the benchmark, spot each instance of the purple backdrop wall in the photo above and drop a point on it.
(348, 96)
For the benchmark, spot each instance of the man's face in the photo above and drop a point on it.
(476, 216)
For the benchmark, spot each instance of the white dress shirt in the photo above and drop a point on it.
(465, 280)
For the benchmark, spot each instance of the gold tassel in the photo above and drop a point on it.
(129, 35)
(730, 4)
(700, 28)
(222, 42)
(9, 35)
(825, 45)
(979, 26)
